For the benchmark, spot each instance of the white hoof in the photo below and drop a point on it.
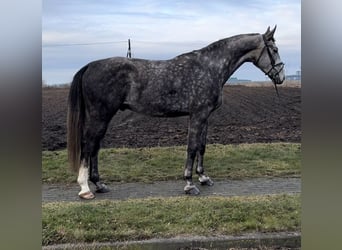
(205, 180)
(87, 196)
(191, 190)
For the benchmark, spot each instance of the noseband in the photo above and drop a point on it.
(273, 64)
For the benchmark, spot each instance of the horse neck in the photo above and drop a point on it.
(224, 57)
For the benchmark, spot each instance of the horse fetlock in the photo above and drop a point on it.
(187, 174)
(199, 171)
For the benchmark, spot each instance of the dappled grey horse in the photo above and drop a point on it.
(189, 84)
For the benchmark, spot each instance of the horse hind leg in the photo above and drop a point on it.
(93, 134)
(197, 131)
(94, 174)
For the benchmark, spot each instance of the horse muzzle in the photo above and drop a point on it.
(277, 73)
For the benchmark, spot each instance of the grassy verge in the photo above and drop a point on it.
(138, 219)
(166, 163)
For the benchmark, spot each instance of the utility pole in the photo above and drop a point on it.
(129, 55)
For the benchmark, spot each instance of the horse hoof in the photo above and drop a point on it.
(87, 196)
(191, 190)
(206, 181)
(102, 188)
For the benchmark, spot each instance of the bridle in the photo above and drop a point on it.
(273, 64)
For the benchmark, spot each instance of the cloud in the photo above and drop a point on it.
(158, 29)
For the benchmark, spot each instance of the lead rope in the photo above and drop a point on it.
(276, 88)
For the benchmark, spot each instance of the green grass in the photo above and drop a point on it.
(167, 163)
(138, 219)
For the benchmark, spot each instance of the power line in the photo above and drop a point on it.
(193, 43)
(81, 44)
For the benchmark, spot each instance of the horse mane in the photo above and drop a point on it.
(220, 42)
(215, 45)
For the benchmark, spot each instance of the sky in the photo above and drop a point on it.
(76, 32)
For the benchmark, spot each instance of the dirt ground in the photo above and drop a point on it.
(248, 114)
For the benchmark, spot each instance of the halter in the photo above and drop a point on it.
(273, 64)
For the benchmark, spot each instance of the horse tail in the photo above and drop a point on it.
(75, 120)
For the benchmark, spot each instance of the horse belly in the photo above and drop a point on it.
(159, 103)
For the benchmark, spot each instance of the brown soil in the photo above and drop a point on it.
(247, 115)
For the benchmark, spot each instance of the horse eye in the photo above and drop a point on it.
(275, 49)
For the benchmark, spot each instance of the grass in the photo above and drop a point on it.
(108, 221)
(167, 163)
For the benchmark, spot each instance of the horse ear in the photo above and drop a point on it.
(270, 33)
(268, 30)
(274, 29)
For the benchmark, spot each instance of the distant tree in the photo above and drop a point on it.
(44, 84)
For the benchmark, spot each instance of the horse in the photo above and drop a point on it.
(189, 84)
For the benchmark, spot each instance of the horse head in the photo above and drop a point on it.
(268, 59)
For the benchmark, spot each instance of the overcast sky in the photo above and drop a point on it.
(75, 32)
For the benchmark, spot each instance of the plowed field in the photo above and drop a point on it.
(247, 115)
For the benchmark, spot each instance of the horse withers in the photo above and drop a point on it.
(189, 84)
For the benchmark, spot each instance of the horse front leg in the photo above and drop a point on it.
(197, 124)
(94, 147)
(190, 187)
(203, 179)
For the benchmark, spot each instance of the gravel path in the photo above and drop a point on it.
(121, 191)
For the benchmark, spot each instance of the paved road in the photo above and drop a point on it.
(121, 191)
